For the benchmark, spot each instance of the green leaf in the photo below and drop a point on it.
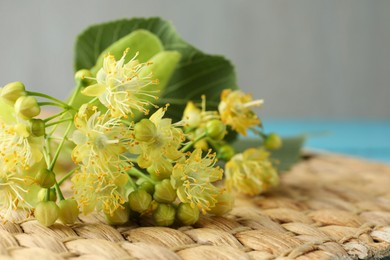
(142, 41)
(196, 74)
(285, 157)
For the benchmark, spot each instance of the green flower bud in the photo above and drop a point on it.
(84, 77)
(37, 127)
(45, 178)
(147, 186)
(164, 192)
(69, 211)
(224, 205)
(27, 107)
(120, 216)
(216, 130)
(273, 141)
(46, 212)
(226, 152)
(162, 171)
(145, 130)
(12, 91)
(139, 201)
(186, 214)
(42, 195)
(164, 215)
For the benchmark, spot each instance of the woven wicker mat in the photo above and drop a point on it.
(327, 207)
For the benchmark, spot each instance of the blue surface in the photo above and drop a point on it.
(363, 138)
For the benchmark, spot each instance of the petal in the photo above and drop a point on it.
(94, 90)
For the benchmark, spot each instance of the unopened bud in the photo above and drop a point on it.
(43, 193)
(139, 201)
(164, 192)
(226, 152)
(120, 216)
(145, 130)
(37, 127)
(216, 130)
(12, 91)
(164, 215)
(186, 214)
(27, 107)
(147, 186)
(161, 171)
(69, 211)
(273, 141)
(84, 77)
(46, 212)
(45, 178)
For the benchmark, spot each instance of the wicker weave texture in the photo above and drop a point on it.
(327, 207)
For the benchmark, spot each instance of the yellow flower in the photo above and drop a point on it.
(193, 180)
(96, 189)
(121, 88)
(235, 109)
(100, 140)
(163, 145)
(19, 150)
(250, 172)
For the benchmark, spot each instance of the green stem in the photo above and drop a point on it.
(53, 104)
(47, 198)
(93, 100)
(59, 192)
(65, 177)
(137, 173)
(132, 183)
(190, 144)
(55, 116)
(53, 162)
(59, 122)
(37, 94)
(75, 93)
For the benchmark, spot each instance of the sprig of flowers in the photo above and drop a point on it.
(124, 167)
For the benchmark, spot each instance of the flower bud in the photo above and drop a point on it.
(225, 202)
(215, 129)
(192, 116)
(145, 130)
(12, 91)
(43, 192)
(83, 77)
(46, 212)
(147, 186)
(37, 127)
(273, 141)
(45, 178)
(164, 192)
(69, 211)
(120, 216)
(139, 201)
(164, 215)
(162, 171)
(27, 107)
(226, 152)
(186, 214)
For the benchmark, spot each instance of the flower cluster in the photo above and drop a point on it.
(126, 166)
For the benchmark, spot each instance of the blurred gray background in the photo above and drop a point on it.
(306, 58)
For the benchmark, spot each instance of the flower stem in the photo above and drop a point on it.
(37, 94)
(59, 122)
(190, 144)
(53, 162)
(55, 116)
(137, 173)
(65, 177)
(58, 190)
(53, 104)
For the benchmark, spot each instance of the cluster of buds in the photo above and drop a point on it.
(127, 168)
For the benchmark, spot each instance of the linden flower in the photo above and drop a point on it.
(194, 117)
(193, 180)
(235, 109)
(100, 140)
(250, 172)
(121, 88)
(95, 189)
(162, 144)
(18, 149)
